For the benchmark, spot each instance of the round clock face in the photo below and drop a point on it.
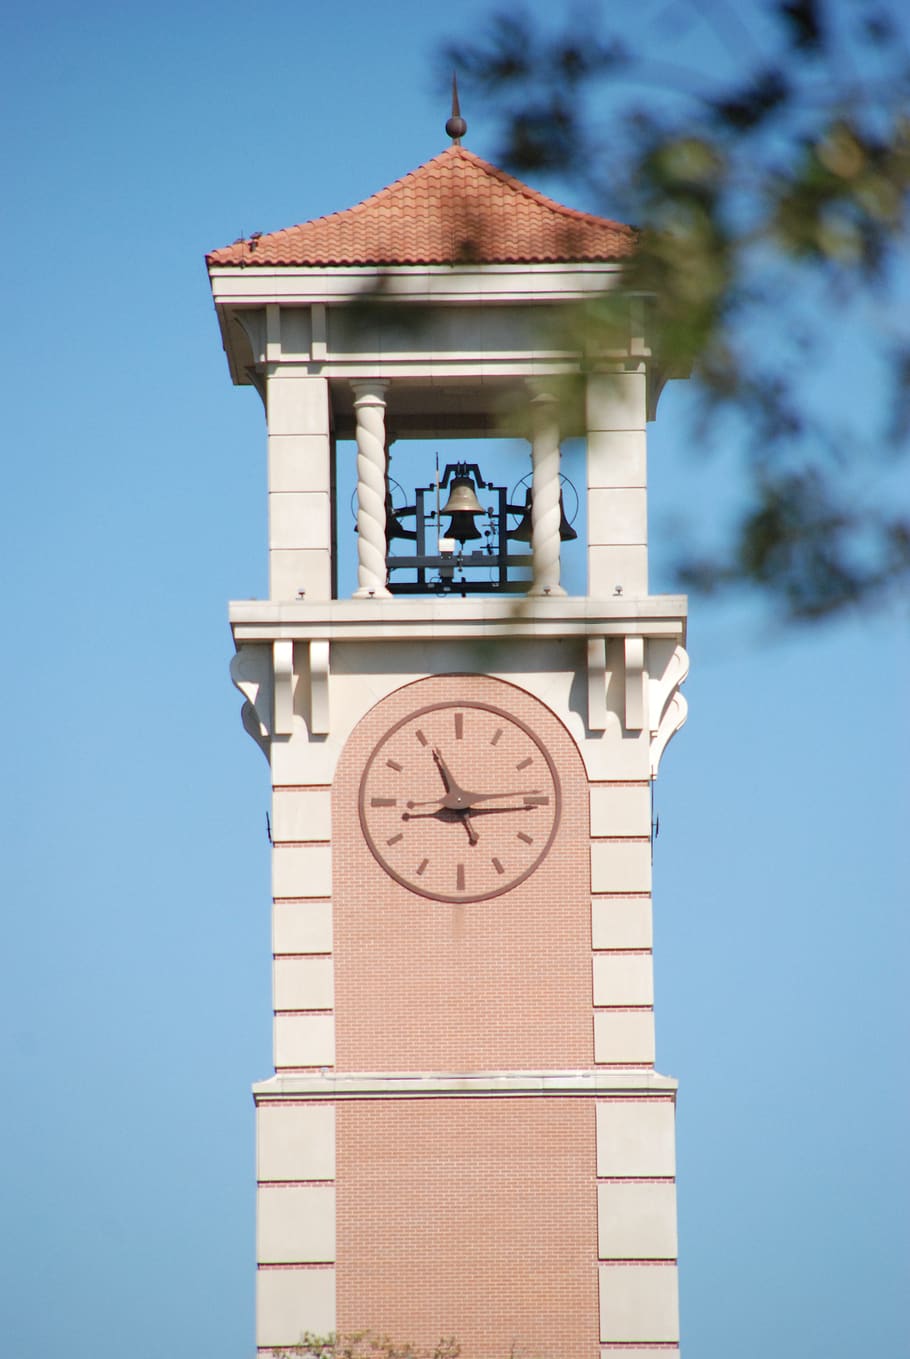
(459, 802)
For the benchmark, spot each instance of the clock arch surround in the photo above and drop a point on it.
(503, 983)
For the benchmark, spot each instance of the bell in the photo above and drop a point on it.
(522, 533)
(462, 505)
(394, 528)
(566, 532)
(462, 499)
(462, 526)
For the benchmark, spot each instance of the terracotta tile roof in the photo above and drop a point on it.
(455, 207)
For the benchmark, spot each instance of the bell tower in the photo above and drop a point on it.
(465, 1132)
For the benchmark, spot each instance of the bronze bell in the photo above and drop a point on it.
(522, 533)
(566, 532)
(394, 528)
(462, 505)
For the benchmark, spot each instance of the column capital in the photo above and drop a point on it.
(369, 391)
(540, 391)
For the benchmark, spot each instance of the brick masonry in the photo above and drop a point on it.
(503, 984)
(472, 1217)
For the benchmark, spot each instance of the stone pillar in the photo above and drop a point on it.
(616, 414)
(545, 494)
(369, 411)
(300, 514)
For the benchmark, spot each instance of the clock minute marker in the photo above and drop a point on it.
(523, 764)
(393, 839)
(497, 865)
(528, 839)
(383, 802)
(496, 735)
(393, 764)
(459, 726)
(459, 878)
(422, 867)
(420, 736)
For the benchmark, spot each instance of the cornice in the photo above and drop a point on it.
(390, 620)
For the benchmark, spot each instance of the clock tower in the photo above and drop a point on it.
(465, 1132)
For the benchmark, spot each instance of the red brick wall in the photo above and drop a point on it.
(494, 985)
(472, 1217)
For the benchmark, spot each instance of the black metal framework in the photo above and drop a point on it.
(456, 571)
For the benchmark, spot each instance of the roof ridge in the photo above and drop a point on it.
(495, 172)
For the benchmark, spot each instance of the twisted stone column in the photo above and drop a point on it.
(369, 413)
(545, 495)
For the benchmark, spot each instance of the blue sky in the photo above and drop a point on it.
(135, 996)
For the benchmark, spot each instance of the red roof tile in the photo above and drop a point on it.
(456, 207)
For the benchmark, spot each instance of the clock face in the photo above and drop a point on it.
(459, 802)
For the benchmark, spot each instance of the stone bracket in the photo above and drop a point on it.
(636, 683)
(597, 684)
(319, 687)
(669, 709)
(283, 699)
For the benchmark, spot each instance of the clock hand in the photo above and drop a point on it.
(495, 811)
(463, 816)
(448, 781)
(457, 800)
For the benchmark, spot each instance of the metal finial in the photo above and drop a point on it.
(456, 126)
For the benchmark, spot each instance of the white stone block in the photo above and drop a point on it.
(639, 1302)
(623, 979)
(636, 1137)
(304, 1040)
(617, 458)
(305, 984)
(621, 922)
(619, 810)
(616, 401)
(636, 1221)
(635, 1352)
(298, 405)
(302, 927)
(299, 519)
(291, 1301)
(295, 1224)
(303, 814)
(303, 761)
(302, 870)
(296, 332)
(296, 570)
(617, 866)
(295, 1142)
(624, 1036)
(617, 754)
(618, 517)
(299, 462)
(618, 568)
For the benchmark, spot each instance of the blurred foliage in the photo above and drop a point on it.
(769, 185)
(363, 1345)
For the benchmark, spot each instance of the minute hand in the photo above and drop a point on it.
(458, 800)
